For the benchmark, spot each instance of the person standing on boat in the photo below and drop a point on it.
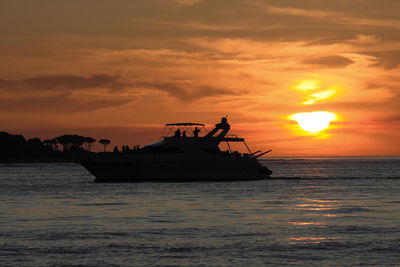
(196, 132)
(178, 133)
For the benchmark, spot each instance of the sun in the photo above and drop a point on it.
(314, 122)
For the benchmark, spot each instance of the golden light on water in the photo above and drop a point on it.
(314, 122)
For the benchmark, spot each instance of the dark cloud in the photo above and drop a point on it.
(8, 84)
(183, 90)
(63, 82)
(334, 61)
(156, 20)
(391, 85)
(387, 59)
(115, 84)
(394, 118)
(60, 103)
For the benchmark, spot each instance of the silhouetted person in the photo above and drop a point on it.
(178, 133)
(223, 125)
(184, 134)
(115, 151)
(196, 132)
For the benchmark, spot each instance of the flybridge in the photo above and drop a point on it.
(184, 124)
(187, 134)
(186, 128)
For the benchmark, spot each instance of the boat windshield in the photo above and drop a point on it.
(184, 129)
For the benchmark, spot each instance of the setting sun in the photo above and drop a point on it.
(314, 122)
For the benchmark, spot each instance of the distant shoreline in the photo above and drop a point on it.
(38, 160)
(75, 160)
(332, 157)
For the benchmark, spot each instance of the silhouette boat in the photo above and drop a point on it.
(180, 157)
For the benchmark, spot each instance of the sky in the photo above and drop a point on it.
(121, 69)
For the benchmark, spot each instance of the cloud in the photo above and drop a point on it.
(64, 82)
(60, 103)
(187, 2)
(350, 17)
(387, 59)
(183, 90)
(313, 13)
(186, 91)
(334, 61)
(365, 39)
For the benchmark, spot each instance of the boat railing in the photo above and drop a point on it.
(188, 128)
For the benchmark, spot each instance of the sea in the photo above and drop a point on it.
(312, 212)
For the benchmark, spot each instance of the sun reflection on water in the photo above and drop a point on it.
(310, 240)
(307, 223)
(316, 214)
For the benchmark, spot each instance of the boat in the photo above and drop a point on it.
(181, 155)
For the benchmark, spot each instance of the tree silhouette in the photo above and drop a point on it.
(51, 144)
(34, 146)
(89, 141)
(14, 147)
(71, 141)
(17, 146)
(11, 145)
(105, 142)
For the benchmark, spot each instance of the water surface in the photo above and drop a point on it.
(314, 212)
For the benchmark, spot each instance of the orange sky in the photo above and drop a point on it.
(121, 69)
